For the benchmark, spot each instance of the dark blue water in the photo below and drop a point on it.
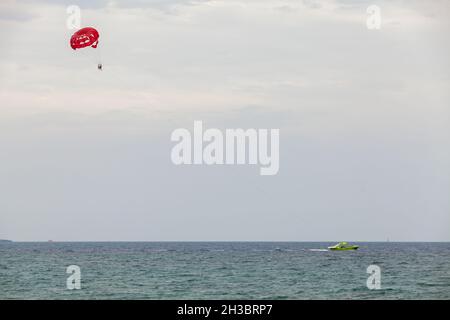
(223, 270)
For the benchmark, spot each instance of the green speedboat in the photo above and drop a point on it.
(343, 246)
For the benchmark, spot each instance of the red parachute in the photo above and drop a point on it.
(86, 37)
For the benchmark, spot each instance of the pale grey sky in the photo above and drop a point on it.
(363, 118)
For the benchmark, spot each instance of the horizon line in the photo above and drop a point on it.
(286, 241)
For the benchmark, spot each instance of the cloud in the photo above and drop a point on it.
(163, 5)
(363, 115)
(10, 10)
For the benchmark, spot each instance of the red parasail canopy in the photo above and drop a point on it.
(86, 37)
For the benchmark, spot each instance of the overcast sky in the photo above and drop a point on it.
(363, 118)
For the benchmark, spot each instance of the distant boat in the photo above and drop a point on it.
(343, 246)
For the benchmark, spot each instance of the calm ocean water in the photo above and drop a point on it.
(223, 270)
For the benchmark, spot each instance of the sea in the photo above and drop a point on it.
(223, 270)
